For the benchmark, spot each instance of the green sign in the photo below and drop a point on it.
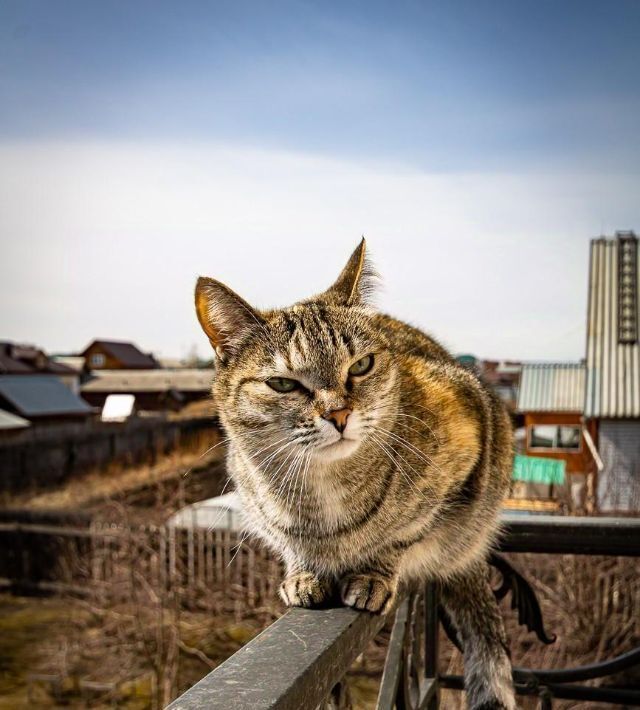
(535, 469)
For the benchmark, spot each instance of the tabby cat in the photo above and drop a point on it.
(366, 456)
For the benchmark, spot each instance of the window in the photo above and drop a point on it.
(542, 437)
(568, 437)
(551, 436)
(97, 360)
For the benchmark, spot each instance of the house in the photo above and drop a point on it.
(588, 414)
(11, 425)
(41, 399)
(20, 359)
(154, 390)
(75, 362)
(504, 377)
(612, 392)
(117, 355)
(551, 402)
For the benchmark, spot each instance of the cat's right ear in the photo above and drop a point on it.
(226, 318)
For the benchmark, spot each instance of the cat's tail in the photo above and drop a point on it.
(472, 614)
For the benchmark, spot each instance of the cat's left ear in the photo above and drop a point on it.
(226, 318)
(356, 283)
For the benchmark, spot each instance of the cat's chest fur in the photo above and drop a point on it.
(320, 503)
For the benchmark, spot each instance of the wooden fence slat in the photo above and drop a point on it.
(210, 566)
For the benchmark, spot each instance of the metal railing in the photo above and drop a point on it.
(300, 660)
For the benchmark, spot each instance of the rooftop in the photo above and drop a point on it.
(40, 396)
(128, 354)
(132, 381)
(557, 387)
(10, 421)
(220, 513)
(20, 359)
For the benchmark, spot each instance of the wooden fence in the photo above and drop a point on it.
(45, 458)
(204, 569)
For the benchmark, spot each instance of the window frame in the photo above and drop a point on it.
(94, 356)
(556, 439)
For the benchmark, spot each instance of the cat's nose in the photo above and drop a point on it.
(338, 417)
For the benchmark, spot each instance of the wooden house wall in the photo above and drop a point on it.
(577, 461)
(110, 362)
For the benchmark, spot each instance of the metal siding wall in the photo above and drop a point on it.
(589, 404)
(613, 368)
(619, 482)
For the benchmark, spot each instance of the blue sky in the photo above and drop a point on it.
(522, 114)
(457, 85)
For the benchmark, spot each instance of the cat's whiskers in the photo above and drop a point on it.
(289, 471)
(399, 412)
(406, 476)
(396, 465)
(224, 440)
(288, 476)
(404, 426)
(293, 480)
(270, 455)
(245, 534)
(428, 461)
(408, 445)
(263, 466)
(223, 511)
(302, 488)
(403, 442)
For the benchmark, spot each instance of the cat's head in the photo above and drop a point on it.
(314, 378)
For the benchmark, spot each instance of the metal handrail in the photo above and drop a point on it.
(292, 664)
(297, 661)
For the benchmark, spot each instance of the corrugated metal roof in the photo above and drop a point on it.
(41, 395)
(613, 353)
(132, 381)
(12, 421)
(551, 387)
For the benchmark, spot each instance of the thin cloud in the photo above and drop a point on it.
(106, 239)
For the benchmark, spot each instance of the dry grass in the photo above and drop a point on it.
(118, 481)
(63, 652)
(143, 645)
(151, 648)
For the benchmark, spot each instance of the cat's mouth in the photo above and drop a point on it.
(338, 448)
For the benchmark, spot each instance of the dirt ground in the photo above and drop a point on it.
(59, 653)
(56, 653)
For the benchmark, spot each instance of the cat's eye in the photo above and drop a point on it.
(283, 384)
(362, 366)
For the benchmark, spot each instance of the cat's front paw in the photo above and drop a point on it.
(304, 589)
(370, 592)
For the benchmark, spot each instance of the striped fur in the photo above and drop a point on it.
(411, 490)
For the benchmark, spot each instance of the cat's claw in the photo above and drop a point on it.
(304, 589)
(370, 592)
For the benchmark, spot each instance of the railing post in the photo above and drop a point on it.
(410, 675)
(431, 633)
